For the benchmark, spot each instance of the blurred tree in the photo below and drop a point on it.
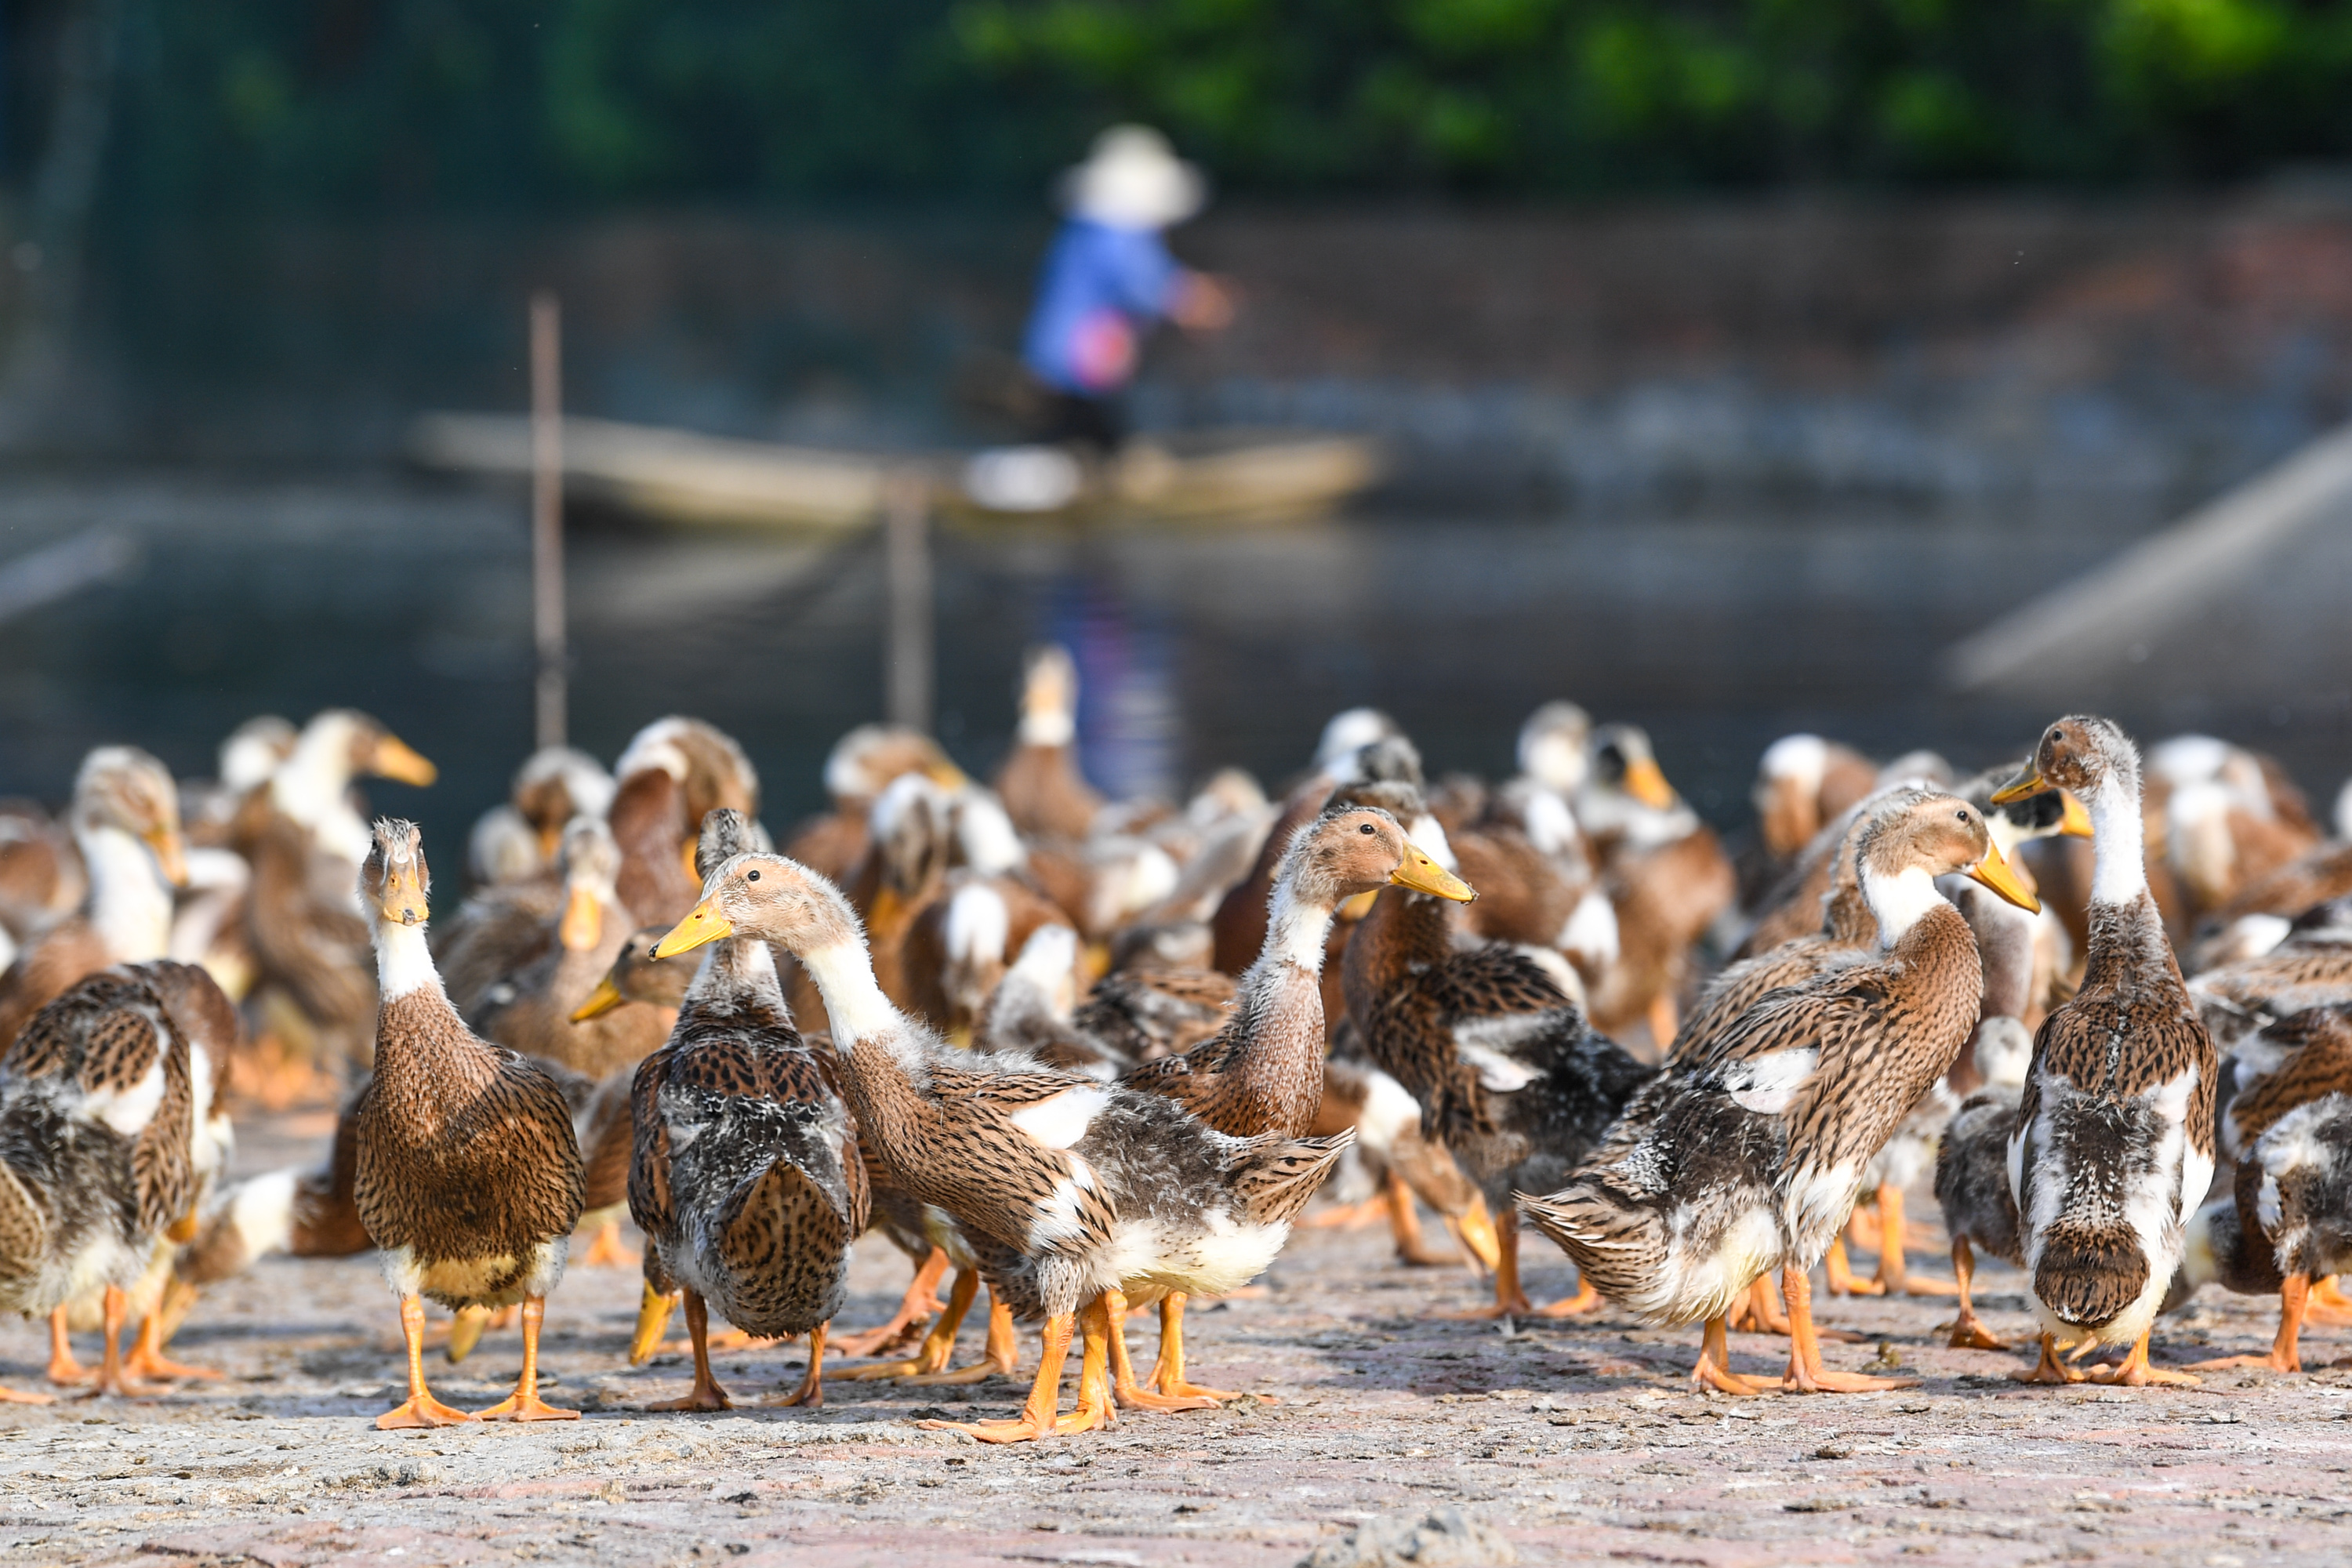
(325, 105)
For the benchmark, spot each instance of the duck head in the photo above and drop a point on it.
(554, 784)
(912, 830)
(1622, 760)
(1349, 732)
(2087, 755)
(636, 975)
(396, 886)
(1353, 849)
(590, 862)
(1932, 835)
(124, 790)
(765, 896)
(2037, 814)
(864, 763)
(1553, 745)
(1049, 697)
(253, 751)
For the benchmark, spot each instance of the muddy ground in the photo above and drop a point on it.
(1573, 1441)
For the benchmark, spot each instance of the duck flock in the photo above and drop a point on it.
(1100, 1056)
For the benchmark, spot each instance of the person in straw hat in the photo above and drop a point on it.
(1108, 278)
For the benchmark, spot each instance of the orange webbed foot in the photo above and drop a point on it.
(24, 1396)
(709, 1396)
(420, 1410)
(521, 1406)
(1021, 1430)
(1586, 1299)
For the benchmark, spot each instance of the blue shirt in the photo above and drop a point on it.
(1100, 285)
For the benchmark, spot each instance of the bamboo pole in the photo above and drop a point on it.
(907, 556)
(547, 514)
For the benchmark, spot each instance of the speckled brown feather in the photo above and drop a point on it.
(1044, 794)
(42, 971)
(466, 1150)
(1147, 1014)
(2316, 1061)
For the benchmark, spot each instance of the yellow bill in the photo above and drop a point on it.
(1423, 874)
(396, 760)
(169, 855)
(1646, 782)
(653, 1322)
(2076, 823)
(1994, 872)
(583, 920)
(2025, 783)
(403, 901)
(184, 1229)
(702, 924)
(945, 775)
(601, 1001)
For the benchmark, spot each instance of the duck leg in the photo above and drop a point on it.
(1036, 1417)
(63, 1369)
(1968, 1331)
(524, 1404)
(938, 1345)
(2327, 1304)
(1761, 1313)
(1895, 1278)
(1168, 1372)
(1094, 1407)
(147, 1359)
(605, 1251)
(2134, 1371)
(1475, 1229)
(1843, 1280)
(1510, 1297)
(1665, 1021)
(1806, 1373)
(706, 1394)
(420, 1409)
(2286, 1349)
(2050, 1369)
(653, 1322)
(1713, 1368)
(1000, 1352)
(1412, 1248)
(811, 1391)
(922, 1301)
(179, 1296)
(1129, 1393)
(113, 1376)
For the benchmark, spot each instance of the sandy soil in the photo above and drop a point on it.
(1577, 1441)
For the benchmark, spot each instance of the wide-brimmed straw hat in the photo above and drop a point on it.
(1133, 179)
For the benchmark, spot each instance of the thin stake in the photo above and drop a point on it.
(547, 512)
(907, 654)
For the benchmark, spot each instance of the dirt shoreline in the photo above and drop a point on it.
(1580, 1441)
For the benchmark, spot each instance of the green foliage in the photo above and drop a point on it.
(498, 104)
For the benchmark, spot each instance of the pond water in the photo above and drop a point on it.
(220, 597)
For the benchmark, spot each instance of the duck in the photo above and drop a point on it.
(468, 1175)
(519, 840)
(41, 880)
(2285, 1227)
(672, 775)
(1510, 1078)
(1040, 783)
(1261, 1075)
(126, 825)
(542, 1010)
(1753, 1154)
(1033, 1010)
(1667, 876)
(1067, 1188)
(2310, 966)
(2222, 817)
(107, 1139)
(861, 765)
(1803, 782)
(744, 1173)
(1972, 1168)
(964, 941)
(2114, 1147)
(312, 786)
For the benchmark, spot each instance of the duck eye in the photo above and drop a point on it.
(752, 876)
(1365, 827)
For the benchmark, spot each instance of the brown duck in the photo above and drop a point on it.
(1751, 1156)
(1065, 1187)
(468, 1172)
(745, 1174)
(2114, 1147)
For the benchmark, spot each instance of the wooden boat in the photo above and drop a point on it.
(680, 475)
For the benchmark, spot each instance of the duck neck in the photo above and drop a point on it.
(308, 785)
(1900, 901)
(130, 904)
(739, 972)
(2118, 851)
(403, 964)
(1274, 1059)
(855, 1007)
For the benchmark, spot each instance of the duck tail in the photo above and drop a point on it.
(1276, 1177)
(1617, 1243)
(2088, 1275)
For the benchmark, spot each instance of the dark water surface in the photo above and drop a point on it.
(1718, 631)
